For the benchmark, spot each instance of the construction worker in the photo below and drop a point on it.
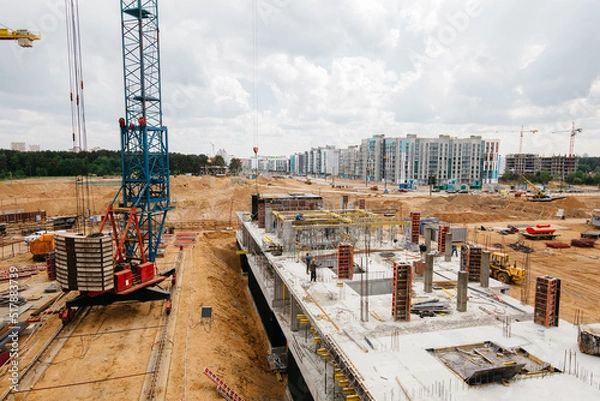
(313, 270)
(422, 249)
(454, 250)
(308, 258)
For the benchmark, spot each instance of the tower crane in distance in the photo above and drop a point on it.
(138, 212)
(533, 131)
(23, 37)
(573, 131)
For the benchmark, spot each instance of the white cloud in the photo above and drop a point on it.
(531, 54)
(330, 72)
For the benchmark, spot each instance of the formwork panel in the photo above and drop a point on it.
(547, 301)
(442, 238)
(415, 228)
(474, 265)
(345, 261)
(401, 291)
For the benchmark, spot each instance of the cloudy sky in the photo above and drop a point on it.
(329, 73)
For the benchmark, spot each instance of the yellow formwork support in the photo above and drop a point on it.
(352, 397)
(344, 383)
(317, 339)
(348, 391)
(300, 316)
(324, 353)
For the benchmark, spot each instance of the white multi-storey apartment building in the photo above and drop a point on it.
(416, 160)
(409, 160)
(348, 162)
(371, 158)
(271, 164)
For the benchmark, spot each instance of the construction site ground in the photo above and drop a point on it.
(108, 355)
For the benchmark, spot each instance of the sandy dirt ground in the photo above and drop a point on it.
(233, 344)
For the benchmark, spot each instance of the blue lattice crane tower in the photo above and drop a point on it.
(138, 212)
(145, 189)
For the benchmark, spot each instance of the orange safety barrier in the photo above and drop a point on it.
(223, 388)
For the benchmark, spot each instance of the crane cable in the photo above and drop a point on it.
(75, 60)
(78, 122)
(71, 73)
(255, 86)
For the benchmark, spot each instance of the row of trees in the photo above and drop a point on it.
(588, 173)
(15, 164)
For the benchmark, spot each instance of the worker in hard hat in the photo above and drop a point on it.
(422, 250)
(313, 270)
(308, 258)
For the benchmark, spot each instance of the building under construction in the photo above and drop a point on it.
(384, 321)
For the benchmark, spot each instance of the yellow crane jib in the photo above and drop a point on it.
(537, 192)
(23, 37)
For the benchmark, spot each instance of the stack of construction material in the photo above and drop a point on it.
(84, 263)
(589, 339)
(20, 271)
(556, 244)
(50, 267)
(583, 242)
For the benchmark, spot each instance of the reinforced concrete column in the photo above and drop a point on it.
(428, 277)
(280, 293)
(268, 220)
(287, 236)
(294, 311)
(485, 269)
(448, 249)
(428, 238)
(461, 291)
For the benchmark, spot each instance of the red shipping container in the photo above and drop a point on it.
(123, 280)
(146, 271)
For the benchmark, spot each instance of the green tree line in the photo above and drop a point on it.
(15, 164)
